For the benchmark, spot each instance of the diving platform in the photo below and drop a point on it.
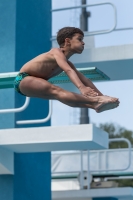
(115, 61)
(93, 73)
(46, 139)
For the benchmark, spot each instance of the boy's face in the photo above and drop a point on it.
(76, 43)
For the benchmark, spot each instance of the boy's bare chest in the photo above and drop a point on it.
(52, 70)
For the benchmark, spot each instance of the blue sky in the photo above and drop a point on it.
(101, 18)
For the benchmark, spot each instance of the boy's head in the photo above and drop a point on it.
(67, 32)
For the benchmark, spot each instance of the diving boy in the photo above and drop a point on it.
(33, 78)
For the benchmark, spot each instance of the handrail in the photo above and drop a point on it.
(109, 150)
(90, 5)
(86, 33)
(123, 29)
(118, 178)
(37, 121)
(129, 156)
(81, 174)
(16, 109)
(107, 170)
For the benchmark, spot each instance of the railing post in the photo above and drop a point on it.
(81, 172)
(88, 174)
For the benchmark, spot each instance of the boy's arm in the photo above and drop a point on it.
(63, 64)
(85, 81)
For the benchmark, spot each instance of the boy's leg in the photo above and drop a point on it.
(38, 87)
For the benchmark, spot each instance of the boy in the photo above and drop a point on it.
(33, 76)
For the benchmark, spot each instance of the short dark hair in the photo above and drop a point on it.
(67, 32)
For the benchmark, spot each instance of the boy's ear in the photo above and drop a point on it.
(67, 40)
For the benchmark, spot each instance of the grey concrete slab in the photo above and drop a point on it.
(126, 192)
(45, 139)
(115, 61)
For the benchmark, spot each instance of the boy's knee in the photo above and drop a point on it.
(55, 90)
(59, 93)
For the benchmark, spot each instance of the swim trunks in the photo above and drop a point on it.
(17, 81)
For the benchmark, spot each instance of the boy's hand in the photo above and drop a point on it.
(87, 91)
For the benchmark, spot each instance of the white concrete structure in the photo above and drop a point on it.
(40, 139)
(44, 139)
(115, 61)
(119, 193)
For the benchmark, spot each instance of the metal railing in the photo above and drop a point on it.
(118, 178)
(11, 110)
(108, 170)
(106, 166)
(38, 121)
(91, 5)
(113, 28)
(89, 171)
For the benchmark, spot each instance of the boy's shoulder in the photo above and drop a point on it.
(57, 52)
(55, 49)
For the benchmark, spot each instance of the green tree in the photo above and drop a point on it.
(115, 131)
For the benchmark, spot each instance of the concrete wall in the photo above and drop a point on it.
(7, 57)
(25, 32)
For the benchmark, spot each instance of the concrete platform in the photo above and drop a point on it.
(119, 193)
(44, 139)
(47, 139)
(115, 61)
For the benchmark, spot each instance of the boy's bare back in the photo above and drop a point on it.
(43, 66)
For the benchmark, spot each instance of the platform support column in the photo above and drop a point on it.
(32, 179)
(84, 112)
(32, 174)
(6, 187)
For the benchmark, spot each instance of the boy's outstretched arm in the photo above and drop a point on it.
(85, 81)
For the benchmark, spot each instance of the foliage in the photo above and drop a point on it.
(116, 131)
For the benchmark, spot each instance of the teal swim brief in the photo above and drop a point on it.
(17, 81)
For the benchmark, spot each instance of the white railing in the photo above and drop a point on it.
(113, 28)
(38, 121)
(11, 110)
(106, 170)
(91, 5)
(106, 156)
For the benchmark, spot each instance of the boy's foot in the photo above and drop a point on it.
(106, 103)
(107, 106)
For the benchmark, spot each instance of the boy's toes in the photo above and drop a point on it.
(116, 99)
